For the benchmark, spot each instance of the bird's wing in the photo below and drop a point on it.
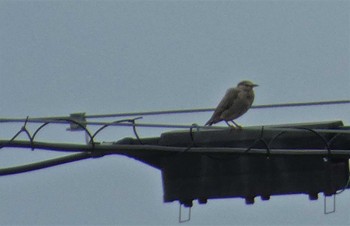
(225, 103)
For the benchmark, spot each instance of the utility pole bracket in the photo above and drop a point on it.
(77, 122)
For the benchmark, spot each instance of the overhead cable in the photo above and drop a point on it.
(165, 112)
(84, 152)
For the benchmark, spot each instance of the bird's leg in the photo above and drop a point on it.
(232, 128)
(228, 124)
(238, 126)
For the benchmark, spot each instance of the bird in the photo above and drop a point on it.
(234, 104)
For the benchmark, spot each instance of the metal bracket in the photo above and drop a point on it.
(183, 220)
(77, 117)
(325, 209)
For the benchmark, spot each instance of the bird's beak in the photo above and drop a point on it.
(255, 85)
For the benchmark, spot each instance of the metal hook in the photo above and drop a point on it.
(192, 138)
(326, 143)
(325, 210)
(260, 139)
(194, 125)
(344, 188)
(12, 139)
(134, 129)
(25, 130)
(276, 136)
(188, 214)
(321, 137)
(331, 141)
(38, 129)
(25, 122)
(120, 121)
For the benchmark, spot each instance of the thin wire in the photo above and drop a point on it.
(165, 112)
(331, 102)
(212, 109)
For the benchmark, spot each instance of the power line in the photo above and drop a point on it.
(44, 164)
(332, 102)
(212, 109)
(151, 125)
(194, 127)
(165, 112)
(85, 152)
(170, 143)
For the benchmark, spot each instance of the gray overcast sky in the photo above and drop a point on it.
(60, 57)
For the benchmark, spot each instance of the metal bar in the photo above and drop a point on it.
(212, 109)
(303, 104)
(44, 164)
(325, 209)
(177, 126)
(44, 119)
(123, 149)
(188, 218)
